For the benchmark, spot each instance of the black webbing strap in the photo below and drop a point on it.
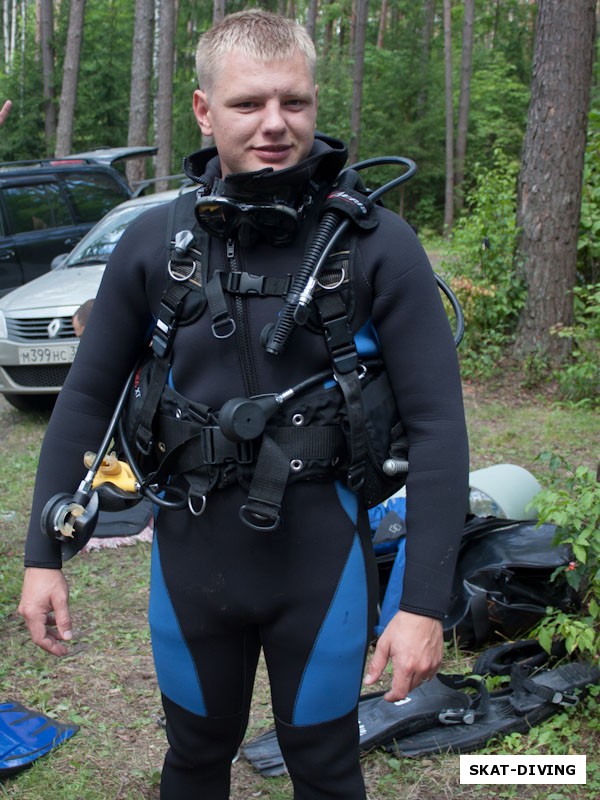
(342, 350)
(262, 510)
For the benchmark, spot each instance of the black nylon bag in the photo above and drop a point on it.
(502, 582)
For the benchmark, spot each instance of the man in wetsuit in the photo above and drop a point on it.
(305, 591)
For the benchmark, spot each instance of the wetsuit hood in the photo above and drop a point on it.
(323, 164)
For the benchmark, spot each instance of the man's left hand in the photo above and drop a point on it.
(415, 644)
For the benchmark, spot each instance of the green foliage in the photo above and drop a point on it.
(481, 265)
(579, 379)
(572, 503)
(588, 244)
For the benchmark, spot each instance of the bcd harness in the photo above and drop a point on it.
(343, 423)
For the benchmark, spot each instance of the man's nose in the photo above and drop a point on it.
(273, 119)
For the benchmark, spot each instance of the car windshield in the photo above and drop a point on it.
(98, 244)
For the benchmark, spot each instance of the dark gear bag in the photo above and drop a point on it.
(503, 580)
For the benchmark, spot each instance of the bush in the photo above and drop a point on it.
(579, 379)
(480, 268)
(572, 503)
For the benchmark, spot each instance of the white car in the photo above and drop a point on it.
(37, 340)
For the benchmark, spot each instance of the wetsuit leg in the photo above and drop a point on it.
(307, 593)
(316, 652)
(205, 663)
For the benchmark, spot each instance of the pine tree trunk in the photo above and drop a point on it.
(47, 48)
(139, 99)
(549, 200)
(68, 97)
(462, 126)
(449, 193)
(362, 8)
(164, 112)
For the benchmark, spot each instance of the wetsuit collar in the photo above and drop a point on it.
(323, 164)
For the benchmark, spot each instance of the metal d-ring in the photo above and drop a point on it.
(181, 277)
(195, 511)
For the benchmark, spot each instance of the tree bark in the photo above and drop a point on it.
(382, 24)
(311, 18)
(449, 193)
(68, 97)
(164, 111)
(47, 48)
(362, 9)
(549, 195)
(139, 98)
(462, 126)
(426, 36)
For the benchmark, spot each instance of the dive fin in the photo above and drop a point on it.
(445, 700)
(528, 653)
(530, 699)
(26, 735)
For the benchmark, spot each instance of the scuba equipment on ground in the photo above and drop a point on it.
(503, 490)
(26, 735)
(456, 713)
(530, 698)
(445, 700)
(503, 579)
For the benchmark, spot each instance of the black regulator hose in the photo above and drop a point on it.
(277, 337)
(331, 227)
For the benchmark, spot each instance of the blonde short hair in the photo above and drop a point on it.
(257, 34)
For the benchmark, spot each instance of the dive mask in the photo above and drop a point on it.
(223, 217)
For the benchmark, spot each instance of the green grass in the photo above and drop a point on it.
(107, 684)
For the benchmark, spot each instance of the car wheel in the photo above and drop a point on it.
(31, 402)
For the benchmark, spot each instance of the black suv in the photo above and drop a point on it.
(47, 206)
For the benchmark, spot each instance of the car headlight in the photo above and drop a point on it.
(3, 328)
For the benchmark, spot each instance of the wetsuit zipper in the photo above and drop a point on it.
(244, 340)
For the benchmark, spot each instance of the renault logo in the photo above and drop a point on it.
(54, 328)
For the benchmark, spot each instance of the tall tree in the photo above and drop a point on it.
(47, 48)
(449, 192)
(549, 196)
(311, 18)
(362, 10)
(164, 109)
(462, 126)
(139, 96)
(68, 96)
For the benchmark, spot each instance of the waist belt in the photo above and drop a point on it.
(207, 459)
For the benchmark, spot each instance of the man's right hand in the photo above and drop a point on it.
(45, 608)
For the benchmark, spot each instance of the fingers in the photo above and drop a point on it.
(414, 644)
(45, 610)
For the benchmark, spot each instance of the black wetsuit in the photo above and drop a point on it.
(307, 592)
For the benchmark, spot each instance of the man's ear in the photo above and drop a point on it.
(202, 112)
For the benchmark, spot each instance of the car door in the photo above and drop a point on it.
(38, 225)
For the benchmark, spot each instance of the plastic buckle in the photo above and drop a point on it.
(356, 477)
(565, 700)
(216, 448)
(245, 283)
(456, 716)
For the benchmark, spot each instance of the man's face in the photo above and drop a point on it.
(260, 115)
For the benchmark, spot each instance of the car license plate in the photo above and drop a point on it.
(48, 354)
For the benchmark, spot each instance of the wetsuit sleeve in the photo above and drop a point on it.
(420, 355)
(112, 341)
